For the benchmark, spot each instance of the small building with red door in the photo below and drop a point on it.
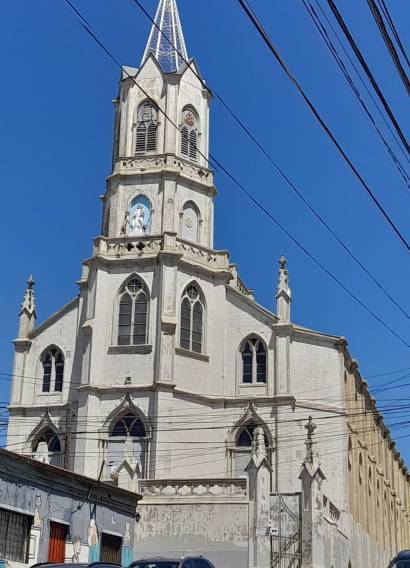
(49, 514)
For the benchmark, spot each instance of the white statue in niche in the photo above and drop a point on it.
(41, 454)
(139, 215)
(137, 222)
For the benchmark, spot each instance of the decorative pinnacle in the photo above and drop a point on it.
(310, 427)
(166, 40)
(29, 300)
(259, 446)
(283, 281)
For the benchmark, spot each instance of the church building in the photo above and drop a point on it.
(252, 440)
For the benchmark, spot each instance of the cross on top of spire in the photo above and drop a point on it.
(166, 40)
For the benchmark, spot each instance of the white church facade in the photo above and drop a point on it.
(166, 377)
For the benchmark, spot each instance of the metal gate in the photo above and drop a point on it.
(286, 530)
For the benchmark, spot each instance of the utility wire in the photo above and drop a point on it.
(279, 170)
(393, 28)
(368, 72)
(243, 189)
(248, 11)
(314, 16)
(389, 44)
(363, 82)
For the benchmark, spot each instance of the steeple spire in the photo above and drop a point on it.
(167, 27)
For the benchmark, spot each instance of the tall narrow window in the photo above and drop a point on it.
(253, 355)
(14, 536)
(53, 370)
(189, 135)
(147, 125)
(241, 453)
(133, 314)
(192, 320)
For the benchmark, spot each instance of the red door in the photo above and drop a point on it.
(56, 543)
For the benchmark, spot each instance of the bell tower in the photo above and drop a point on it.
(160, 181)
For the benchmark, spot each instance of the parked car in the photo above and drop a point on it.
(187, 561)
(402, 560)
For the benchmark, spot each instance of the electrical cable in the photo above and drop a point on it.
(248, 11)
(393, 28)
(389, 44)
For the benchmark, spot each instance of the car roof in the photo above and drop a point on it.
(403, 554)
(166, 558)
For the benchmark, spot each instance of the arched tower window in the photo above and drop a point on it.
(189, 134)
(127, 441)
(47, 448)
(192, 320)
(243, 448)
(190, 222)
(52, 361)
(253, 354)
(147, 126)
(133, 314)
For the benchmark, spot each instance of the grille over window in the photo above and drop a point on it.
(14, 536)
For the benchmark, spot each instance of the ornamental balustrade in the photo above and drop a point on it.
(213, 489)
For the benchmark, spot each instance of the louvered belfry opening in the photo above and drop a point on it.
(111, 546)
(189, 135)
(147, 126)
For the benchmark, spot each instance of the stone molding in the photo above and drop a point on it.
(192, 354)
(168, 162)
(133, 349)
(232, 489)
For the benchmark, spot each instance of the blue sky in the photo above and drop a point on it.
(55, 152)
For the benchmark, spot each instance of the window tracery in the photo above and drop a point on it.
(133, 314)
(253, 355)
(53, 370)
(192, 320)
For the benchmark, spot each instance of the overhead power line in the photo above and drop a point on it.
(393, 28)
(278, 168)
(389, 44)
(321, 28)
(246, 192)
(252, 17)
(368, 72)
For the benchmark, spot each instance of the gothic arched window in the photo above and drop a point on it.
(127, 440)
(190, 222)
(52, 361)
(47, 448)
(192, 320)
(243, 448)
(147, 125)
(133, 314)
(189, 134)
(253, 354)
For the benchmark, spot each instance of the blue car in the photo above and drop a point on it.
(402, 560)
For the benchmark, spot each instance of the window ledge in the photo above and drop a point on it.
(192, 354)
(252, 385)
(132, 349)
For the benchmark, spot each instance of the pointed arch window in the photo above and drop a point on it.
(241, 452)
(146, 131)
(53, 370)
(189, 134)
(47, 448)
(192, 320)
(253, 353)
(127, 441)
(133, 314)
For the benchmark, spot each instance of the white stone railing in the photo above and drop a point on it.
(160, 161)
(214, 489)
(141, 247)
(330, 511)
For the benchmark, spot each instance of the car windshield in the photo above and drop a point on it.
(401, 564)
(156, 564)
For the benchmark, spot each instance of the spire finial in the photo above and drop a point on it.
(283, 293)
(310, 428)
(29, 300)
(166, 40)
